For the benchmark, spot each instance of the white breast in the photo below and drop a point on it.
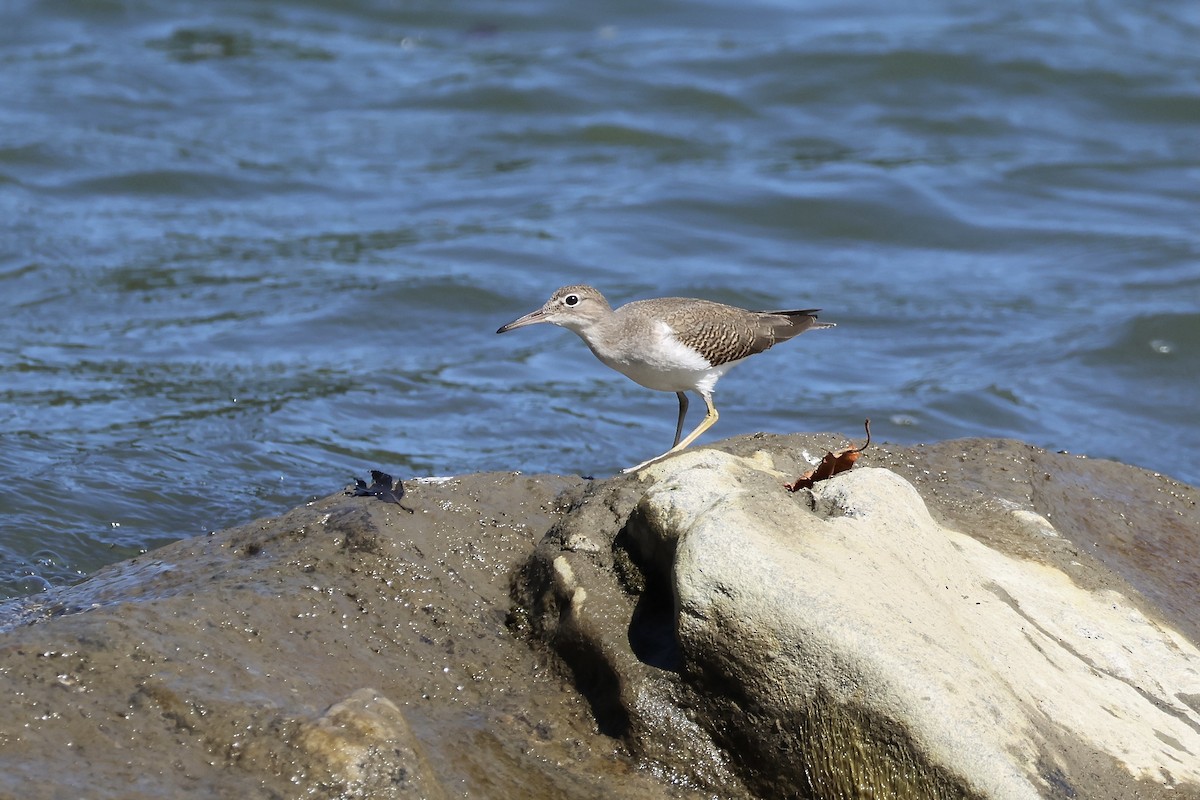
(660, 361)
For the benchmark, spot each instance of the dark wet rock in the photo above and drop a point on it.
(691, 631)
(344, 649)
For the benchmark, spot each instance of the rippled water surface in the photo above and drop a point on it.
(253, 249)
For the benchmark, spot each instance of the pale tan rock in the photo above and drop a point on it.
(984, 661)
(368, 749)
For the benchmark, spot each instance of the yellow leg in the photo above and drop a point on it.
(705, 424)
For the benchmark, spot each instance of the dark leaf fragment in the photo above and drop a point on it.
(383, 487)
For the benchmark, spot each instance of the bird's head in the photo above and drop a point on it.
(573, 307)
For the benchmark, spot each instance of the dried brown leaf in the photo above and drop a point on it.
(831, 464)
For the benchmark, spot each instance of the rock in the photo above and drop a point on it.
(843, 643)
(368, 749)
(345, 649)
(974, 619)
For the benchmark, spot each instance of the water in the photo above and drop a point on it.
(251, 250)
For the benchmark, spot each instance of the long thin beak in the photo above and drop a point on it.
(531, 318)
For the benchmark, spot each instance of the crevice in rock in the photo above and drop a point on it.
(645, 573)
(599, 683)
(652, 635)
(545, 614)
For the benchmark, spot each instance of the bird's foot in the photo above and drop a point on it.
(649, 461)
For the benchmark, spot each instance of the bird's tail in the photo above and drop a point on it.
(797, 322)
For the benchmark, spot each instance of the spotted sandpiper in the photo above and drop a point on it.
(672, 344)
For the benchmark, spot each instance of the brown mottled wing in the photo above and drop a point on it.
(724, 333)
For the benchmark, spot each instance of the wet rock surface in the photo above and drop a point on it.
(345, 649)
(691, 631)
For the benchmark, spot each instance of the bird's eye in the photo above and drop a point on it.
(571, 300)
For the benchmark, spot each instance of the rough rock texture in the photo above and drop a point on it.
(1024, 627)
(843, 643)
(346, 649)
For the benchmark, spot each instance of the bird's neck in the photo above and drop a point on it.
(590, 329)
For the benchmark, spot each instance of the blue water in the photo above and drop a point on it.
(251, 250)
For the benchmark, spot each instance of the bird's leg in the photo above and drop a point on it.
(683, 404)
(705, 424)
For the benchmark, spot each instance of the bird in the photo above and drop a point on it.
(670, 344)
